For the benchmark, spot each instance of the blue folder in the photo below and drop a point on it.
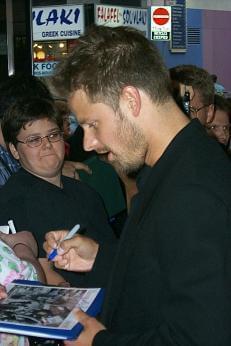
(22, 328)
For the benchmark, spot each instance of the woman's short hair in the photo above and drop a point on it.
(24, 111)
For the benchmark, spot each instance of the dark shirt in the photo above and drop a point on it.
(39, 206)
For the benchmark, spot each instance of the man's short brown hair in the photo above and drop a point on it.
(106, 60)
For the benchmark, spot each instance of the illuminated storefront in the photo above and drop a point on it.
(55, 32)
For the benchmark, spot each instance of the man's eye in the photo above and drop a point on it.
(92, 125)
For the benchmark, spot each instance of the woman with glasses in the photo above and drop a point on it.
(219, 127)
(38, 198)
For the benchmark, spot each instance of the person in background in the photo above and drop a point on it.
(77, 152)
(64, 114)
(67, 127)
(170, 278)
(12, 89)
(219, 89)
(38, 197)
(195, 83)
(24, 253)
(219, 127)
(18, 261)
(73, 124)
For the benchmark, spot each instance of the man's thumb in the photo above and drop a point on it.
(81, 316)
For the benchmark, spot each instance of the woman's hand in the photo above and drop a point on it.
(24, 238)
(70, 169)
(3, 293)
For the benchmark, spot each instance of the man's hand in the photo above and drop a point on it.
(70, 169)
(3, 293)
(91, 328)
(76, 254)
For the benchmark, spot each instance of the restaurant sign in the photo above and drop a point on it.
(58, 22)
(122, 16)
(44, 69)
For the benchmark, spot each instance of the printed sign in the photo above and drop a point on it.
(170, 2)
(179, 31)
(58, 22)
(44, 69)
(161, 16)
(160, 23)
(122, 16)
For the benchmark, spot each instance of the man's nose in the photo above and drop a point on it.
(89, 141)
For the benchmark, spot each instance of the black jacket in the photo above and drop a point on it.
(171, 281)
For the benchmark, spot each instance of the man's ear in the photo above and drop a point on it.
(13, 151)
(131, 96)
(210, 113)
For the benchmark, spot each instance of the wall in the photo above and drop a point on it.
(222, 5)
(213, 49)
(216, 45)
(193, 55)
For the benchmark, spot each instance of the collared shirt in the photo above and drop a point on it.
(8, 165)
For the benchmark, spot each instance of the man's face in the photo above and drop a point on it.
(198, 109)
(109, 133)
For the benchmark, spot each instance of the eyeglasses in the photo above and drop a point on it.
(36, 141)
(194, 111)
(215, 128)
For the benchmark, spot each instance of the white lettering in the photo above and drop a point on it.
(108, 14)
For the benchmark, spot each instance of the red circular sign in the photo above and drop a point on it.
(160, 16)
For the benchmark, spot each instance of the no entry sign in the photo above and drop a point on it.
(161, 16)
(161, 23)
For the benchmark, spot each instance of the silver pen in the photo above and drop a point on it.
(69, 235)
